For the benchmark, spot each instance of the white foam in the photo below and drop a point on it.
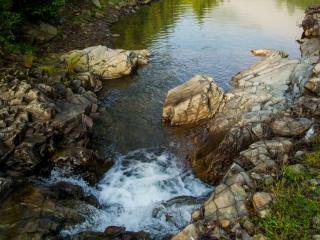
(144, 190)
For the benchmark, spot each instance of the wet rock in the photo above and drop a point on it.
(106, 62)
(79, 159)
(288, 127)
(189, 232)
(195, 100)
(34, 212)
(91, 199)
(69, 191)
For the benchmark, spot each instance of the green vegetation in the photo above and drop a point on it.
(50, 70)
(14, 14)
(297, 202)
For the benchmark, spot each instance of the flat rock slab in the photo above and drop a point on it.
(197, 99)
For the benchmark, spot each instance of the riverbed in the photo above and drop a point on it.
(150, 188)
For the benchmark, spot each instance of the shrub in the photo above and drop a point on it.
(15, 13)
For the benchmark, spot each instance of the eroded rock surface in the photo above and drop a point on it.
(197, 99)
(106, 62)
(244, 114)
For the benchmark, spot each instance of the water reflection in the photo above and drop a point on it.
(187, 37)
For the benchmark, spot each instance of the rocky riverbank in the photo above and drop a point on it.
(46, 118)
(257, 126)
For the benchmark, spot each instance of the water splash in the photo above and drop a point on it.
(145, 190)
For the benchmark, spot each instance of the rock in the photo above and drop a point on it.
(43, 33)
(315, 182)
(96, 3)
(196, 215)
(79, 159)
(316, 237)
(259, 237)
(37, 212)
(313, 85)
(296, 169)
(122, 4)
(226, 205)
(261, 201)
(311, 22)
(69, 191)
(99, 15)
(249, 225)
(106, 62)
(40, 111)
(195, 100)
(315, 220)
(189, 232)
(310, 48)
(299, 154)
(288, 127)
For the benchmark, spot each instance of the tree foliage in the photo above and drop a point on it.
(16, 13)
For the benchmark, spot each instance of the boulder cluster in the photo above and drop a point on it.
(273, 109)
(46, 119)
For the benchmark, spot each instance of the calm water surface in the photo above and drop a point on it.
(187, 37)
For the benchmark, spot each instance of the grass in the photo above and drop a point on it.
(50, 70)
(297, 202)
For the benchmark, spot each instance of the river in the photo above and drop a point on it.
(149, 188)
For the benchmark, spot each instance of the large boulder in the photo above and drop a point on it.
(106, 62)
(197, 99)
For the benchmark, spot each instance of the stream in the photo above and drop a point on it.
(149, 188)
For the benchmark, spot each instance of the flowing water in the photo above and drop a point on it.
(148, 188)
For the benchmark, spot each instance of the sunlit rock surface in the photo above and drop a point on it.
(106, 62)
(311, 22)
(243, 114)
(197, 99)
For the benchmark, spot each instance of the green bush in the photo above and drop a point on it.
(16, 13)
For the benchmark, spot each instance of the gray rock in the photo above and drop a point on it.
(288, 127)
(96, 3)
(41, 34)
(189, 232)
(196, 100)
(106, 62)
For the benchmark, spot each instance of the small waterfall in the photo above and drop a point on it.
(145, 190)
